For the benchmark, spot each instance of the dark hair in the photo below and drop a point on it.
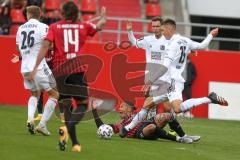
(169, 22)
(157, 19)
(70, 11)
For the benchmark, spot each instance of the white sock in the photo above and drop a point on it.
(48, 110)
(194, 102)
(140, 116)
(32, 106)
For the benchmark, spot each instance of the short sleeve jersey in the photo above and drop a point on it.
(28, 39)
(155, 51)
(68, 39)
(178, 51)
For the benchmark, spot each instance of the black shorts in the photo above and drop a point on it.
(139, 132)
(73, 86)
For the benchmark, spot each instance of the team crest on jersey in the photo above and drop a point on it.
(162, 47)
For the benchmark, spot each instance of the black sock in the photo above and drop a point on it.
(67, 113)
(40, 104)
(160, 133)
(75, 118)
(72, 133)
(174, 125)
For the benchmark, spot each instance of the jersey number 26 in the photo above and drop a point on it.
(28, 39)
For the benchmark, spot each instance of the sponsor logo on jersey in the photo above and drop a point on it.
(156, 55)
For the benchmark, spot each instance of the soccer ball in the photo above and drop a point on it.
(105, 131)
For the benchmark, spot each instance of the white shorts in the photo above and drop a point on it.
(43, 80)
(159, 92)
(174, 94)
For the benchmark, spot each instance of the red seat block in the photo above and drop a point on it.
(153, 10)
(17, 16)
(149, 28)
(87, 17)
(88, 6)
(52, 4)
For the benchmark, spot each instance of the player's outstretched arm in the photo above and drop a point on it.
(93, 104)
(131, 36)
(42, 53)
(204, 44)
(102, 21)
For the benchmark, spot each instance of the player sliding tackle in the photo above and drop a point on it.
(29, 38)
(149, 130)
(171, 66)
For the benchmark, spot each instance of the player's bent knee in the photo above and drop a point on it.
(149, 129)
(53, 93)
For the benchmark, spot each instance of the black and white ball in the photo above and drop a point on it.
(105, 131)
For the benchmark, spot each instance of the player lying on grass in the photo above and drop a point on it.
(151, 129)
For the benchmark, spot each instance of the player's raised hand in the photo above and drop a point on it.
(94, 103)
(129, 26)
(15, 58)
(103, 11)
(214, 32)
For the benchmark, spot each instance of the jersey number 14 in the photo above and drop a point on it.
(69, 40)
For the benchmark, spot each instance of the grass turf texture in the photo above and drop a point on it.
(220, 141)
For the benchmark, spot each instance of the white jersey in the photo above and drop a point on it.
(29, 38)
(178, 51)
(155, 51)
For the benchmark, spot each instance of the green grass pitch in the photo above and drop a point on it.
(220, 141)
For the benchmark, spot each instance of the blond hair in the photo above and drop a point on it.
(34, 11)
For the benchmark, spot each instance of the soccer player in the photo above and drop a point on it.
(28, 40)
(173, 64)
(150, 130)
(16, 59)
(68, 36)
(155, 46)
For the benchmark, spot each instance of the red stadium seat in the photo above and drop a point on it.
(17, 16)
(75, 1)
(14, 29)
(52, 4)
(18, 4)
(88, 6)
(153, 10)
(149, 28)
(87, 17)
